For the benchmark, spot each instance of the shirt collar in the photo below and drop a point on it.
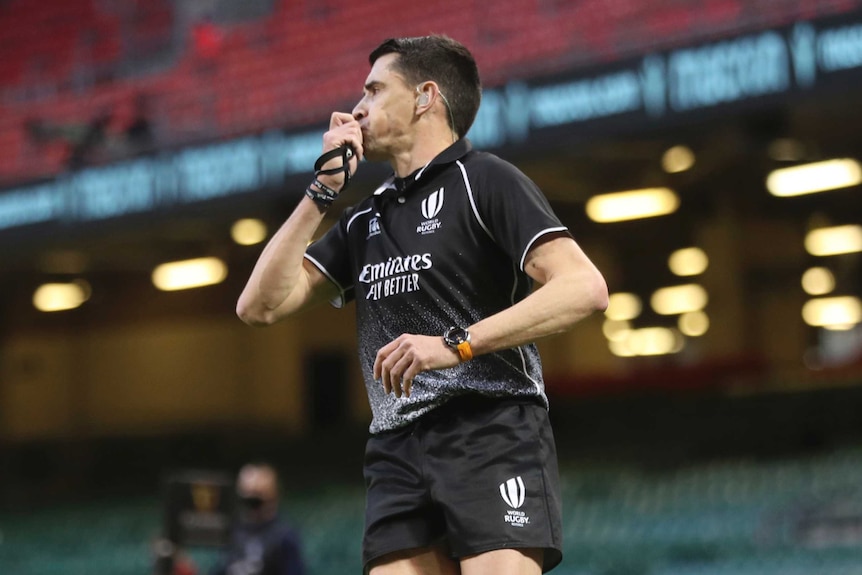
(451, 154)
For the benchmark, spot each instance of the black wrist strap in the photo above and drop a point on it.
(324, 188)
(321, 198)
(345, 152)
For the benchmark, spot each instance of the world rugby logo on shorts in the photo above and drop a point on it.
(513, 492)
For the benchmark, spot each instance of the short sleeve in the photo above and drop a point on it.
(512, 207)
(330, 254)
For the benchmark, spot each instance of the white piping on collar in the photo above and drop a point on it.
(419, 174)
(387, 185)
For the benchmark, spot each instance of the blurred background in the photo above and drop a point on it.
(705, 154)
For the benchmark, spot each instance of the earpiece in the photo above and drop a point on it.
(422, 100)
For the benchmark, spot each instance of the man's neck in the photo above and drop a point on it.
(423, 151)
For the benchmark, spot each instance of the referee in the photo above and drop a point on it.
(441, 260)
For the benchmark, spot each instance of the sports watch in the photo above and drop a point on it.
(458, 338)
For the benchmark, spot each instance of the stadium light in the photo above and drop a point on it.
(623, 306)
(679, 299)
(688, 262)
(834, 241)
(818, 281)
(648, 341)
(833, 312)
(189, 274)
(51, 297)
(693, 323)
(632, 205)
(616, 329)
(677, 159)
(248, 231)
(814, 177)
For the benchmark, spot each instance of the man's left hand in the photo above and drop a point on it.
(402, 359)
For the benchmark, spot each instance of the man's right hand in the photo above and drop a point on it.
(343, 130)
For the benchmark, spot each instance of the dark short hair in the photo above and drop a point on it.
(442, 60)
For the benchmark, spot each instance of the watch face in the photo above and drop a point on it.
(456, 335)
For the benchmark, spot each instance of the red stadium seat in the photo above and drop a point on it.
(60, 53)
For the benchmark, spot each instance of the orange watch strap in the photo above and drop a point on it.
(465, 351)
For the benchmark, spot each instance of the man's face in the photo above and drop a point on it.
(257, 490)
(386, 110)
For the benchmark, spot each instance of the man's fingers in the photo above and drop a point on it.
(392, 374)
(400, 361)
(383, 377)
(397, 376)
(390, 382)
(354, 140)
(382, 354)
(376, 369)
(340, 118)
(407, 378)
(344, 130)
(382, 368)
(389, 366)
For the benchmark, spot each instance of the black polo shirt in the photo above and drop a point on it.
(443, 247)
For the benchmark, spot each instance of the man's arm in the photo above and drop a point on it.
(571, 288)
(282, 281)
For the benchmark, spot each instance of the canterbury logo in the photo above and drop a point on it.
(432, 204)
(512, 491)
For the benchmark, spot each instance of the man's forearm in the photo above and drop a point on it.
(553, 308)
(279, 284)
(275, 287)
(571, 289)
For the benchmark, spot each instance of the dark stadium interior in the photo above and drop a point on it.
(741, 453)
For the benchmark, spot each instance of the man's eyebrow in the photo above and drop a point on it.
(373, 84)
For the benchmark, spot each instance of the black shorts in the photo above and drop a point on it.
(475, 474)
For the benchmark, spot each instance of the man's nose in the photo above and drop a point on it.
(358, 112)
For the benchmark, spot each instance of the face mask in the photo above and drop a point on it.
(251, 503)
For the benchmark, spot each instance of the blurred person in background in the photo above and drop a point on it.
(461, 466)
(138, 134)
(107, 137)
(169, 559)
(207, 41)
(262, 542)
(85, 141)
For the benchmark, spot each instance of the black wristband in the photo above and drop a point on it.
(324, 188)
(323, 200)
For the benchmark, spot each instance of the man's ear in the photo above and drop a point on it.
(423, 93)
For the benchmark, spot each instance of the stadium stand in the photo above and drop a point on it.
(693, 503)
(743, 516)
(65, 61)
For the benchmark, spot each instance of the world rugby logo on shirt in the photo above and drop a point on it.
(431, 206)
